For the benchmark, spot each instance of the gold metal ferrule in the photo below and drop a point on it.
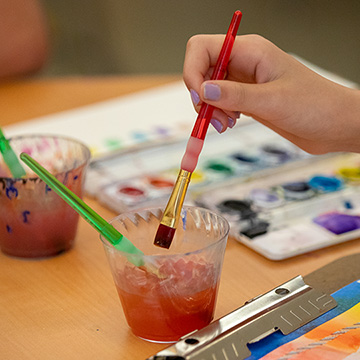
(173, 208)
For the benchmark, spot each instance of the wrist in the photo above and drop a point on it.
(349, 119)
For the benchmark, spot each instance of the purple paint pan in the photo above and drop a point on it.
(338, 223)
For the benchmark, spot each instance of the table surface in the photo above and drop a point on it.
(66, 307)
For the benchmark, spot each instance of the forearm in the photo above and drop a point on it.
(23, 37)
(348, 113)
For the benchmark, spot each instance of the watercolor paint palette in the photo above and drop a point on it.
(145, 176)
(294, 211)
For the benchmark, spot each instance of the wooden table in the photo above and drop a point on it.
(66, 307)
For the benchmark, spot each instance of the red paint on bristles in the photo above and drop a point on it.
(164, 236)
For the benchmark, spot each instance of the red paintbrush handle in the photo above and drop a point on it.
(206, 111)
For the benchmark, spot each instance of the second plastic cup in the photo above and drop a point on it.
(175, 291)
(34, 220)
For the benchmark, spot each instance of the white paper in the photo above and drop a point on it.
(163, 112)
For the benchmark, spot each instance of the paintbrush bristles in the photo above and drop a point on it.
(170, 218)
(164, 236)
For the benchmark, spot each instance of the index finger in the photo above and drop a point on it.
(201, 55)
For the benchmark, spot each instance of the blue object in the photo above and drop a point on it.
(326, 183)
(347, 297)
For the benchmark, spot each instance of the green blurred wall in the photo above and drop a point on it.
(149, 36)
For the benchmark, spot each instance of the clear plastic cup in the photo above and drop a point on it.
(34, 221)
(174, 292)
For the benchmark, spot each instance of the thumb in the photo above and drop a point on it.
(256, 99)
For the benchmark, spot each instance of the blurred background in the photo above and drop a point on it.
(99, 37)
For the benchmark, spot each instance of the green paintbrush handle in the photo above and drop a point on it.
(94, 219)
(10, 158)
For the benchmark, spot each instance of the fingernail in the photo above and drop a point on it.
(212, 92)
(231, 122)
(217, 125)
(194, 97)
